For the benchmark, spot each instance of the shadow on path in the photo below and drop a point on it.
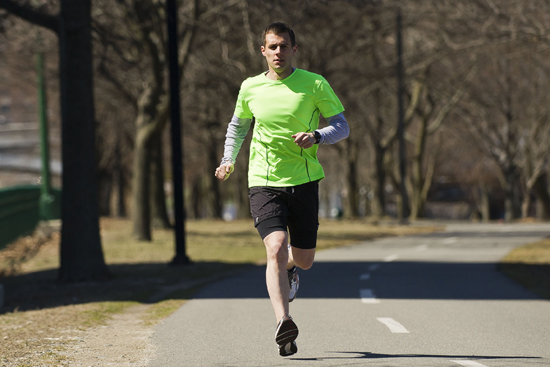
(370, 355)
(395, 280)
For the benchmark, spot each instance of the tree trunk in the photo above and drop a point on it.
(214, 183)
(151, 117)
(526, 205)
(195, 198)
(81, 255)
(379, 207)
(351, 210)
(484, 203)
(511, 206)
(120, 182)
(159, 211)
(105, 191)
(141, 212)
(543, 196)
(416, 172)
(241, 191)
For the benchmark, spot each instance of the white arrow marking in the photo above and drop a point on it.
(469, 364)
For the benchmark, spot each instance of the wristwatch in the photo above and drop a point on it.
(317, 136)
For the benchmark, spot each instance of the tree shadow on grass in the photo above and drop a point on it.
(143, 282)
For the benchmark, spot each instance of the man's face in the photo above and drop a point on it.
(278, 52)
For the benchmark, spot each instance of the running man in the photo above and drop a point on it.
(284, 172)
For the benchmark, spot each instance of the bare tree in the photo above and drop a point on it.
(80, 248)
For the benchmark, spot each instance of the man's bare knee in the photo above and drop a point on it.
(276, 245)
(303, 258)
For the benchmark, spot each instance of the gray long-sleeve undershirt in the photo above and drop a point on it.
(337, 130)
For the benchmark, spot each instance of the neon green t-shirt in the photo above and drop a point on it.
(282, 108)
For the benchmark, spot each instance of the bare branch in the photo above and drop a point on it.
(30, 15)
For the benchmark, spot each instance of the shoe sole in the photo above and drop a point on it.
(288, 349)
(286, 333)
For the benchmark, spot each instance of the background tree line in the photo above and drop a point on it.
(476, 99)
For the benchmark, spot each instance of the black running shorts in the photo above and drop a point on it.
(295, 208)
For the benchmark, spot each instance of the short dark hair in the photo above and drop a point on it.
(279, 28)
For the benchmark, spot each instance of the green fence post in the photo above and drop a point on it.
(46, 197)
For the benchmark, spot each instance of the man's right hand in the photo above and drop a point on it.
(223, 171)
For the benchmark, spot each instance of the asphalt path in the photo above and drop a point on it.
(425, 300)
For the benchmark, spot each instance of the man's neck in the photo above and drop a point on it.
(273, 75)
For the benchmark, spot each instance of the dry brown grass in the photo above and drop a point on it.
(530, 265)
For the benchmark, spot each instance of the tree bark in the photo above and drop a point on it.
(80, 253)
(484, 203)
(416, 171)
(543, 196)
(352, 184)
(141, 200)
(379, 207)
(159, 211)
(105, 191)
(120, 182)
(212, 163)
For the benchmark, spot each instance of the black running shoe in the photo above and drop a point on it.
(294, 281)
(286, 332)
(288, 349)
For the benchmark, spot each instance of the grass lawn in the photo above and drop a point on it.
(529, 265)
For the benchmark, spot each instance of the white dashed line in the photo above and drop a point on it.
(393, 325)
(421, 248)
(365, 276)
(448, 241)
(390, 258)
(368, 296)
(373, 267)
(469, 364)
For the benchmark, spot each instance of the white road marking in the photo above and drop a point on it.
(365, 276)
(390, 258)
(393, 325)
(368, 296)
(373, 267)
(448, 241)
(469, 363)
(421, 248)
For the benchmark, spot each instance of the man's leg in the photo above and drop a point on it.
(276, 244)
(302, 258)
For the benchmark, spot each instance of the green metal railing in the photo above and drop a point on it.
(21, 209)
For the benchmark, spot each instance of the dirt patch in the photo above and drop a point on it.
(125, 340)
(38, 337)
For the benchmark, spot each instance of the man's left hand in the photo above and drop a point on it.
(304, 140)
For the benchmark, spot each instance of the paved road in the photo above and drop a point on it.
(428, 300)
